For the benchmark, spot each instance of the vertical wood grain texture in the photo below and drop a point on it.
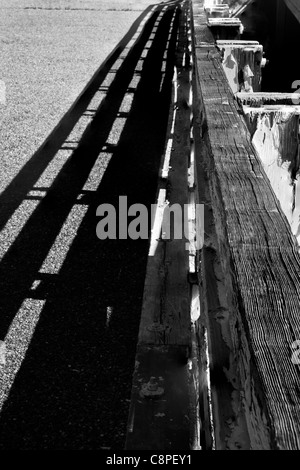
(259, 256)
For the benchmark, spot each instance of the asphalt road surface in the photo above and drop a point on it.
(70, 303)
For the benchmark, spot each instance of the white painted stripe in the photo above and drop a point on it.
(191, 244)
(166, 165)
(173, 120)
(195, 303)
(109, 312)
(158, 220)
(175, 84)
(211, 419)
(191, 171)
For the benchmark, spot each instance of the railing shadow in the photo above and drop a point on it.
(16, 191)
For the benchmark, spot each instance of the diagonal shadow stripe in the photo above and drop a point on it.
(36, 238)
(16, 191)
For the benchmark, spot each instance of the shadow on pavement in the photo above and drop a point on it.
(73, 388)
